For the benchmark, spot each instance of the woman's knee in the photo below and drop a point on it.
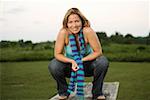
(102, 62)
(54, 66)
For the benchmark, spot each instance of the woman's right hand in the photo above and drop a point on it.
(74, 66)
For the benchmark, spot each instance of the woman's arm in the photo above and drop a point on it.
(59, 47)
(94, 43)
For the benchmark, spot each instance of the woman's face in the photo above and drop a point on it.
(74, 23)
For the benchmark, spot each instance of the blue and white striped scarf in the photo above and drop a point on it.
(78, 76)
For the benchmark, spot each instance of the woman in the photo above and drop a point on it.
(78, 53)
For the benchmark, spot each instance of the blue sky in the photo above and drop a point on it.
(40, 20)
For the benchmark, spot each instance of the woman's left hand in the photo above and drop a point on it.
(74, 66)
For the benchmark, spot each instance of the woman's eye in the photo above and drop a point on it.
(70, 22)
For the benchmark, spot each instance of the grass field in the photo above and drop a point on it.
(31, 80)
(114, 52)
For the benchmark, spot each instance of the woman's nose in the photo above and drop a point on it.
(74, 24)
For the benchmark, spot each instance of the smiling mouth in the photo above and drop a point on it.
(75, 29)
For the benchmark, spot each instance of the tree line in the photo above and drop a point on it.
(105, 40)
(120, 39)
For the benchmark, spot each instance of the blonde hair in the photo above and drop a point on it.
(85, 22)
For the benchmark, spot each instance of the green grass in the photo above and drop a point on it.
(134, 80)
(114, 52)
(31, 80)
(26, 80)
(21, 54)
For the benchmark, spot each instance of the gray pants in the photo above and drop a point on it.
(96, 68)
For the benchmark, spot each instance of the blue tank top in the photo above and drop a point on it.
(68, 51)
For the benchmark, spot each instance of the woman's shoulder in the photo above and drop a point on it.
(88, 31)
(63, 31)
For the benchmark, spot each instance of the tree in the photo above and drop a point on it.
(117, 38)
(4, 44)
(128, 36)
(21, 43)
(102, 35)
(148, 39)
(28, 43)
